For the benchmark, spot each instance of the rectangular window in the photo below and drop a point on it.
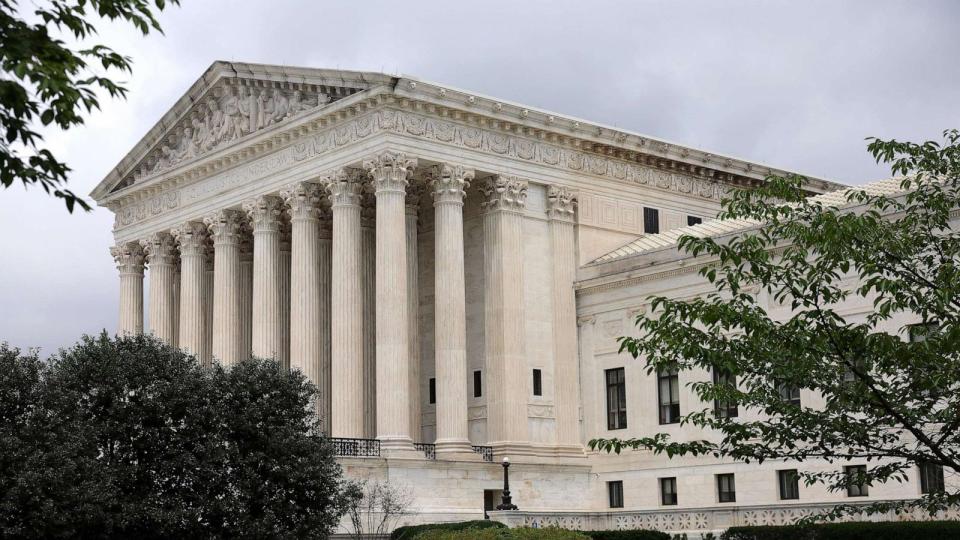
(668, 389)
(789, 393)
(651, 221)
(693, 220)
(789, 482)
(724, 408)
(615, 491)
(856, 487)
(668, 491)
(919, 332)
(433, 390)
(616, 399)
(726, 488)
(931, 478)
(537, 383)
(477, 384)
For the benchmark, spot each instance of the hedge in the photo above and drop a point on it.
(638, 534)
(408, 532)
(519, 533)
(890, 530)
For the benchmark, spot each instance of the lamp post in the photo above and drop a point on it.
(505, 502)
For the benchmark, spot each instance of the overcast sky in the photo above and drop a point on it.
(797, 85)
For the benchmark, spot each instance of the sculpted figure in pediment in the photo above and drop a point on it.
(278, 106)
(232, 127)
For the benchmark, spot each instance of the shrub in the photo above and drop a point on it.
(637, 534)
(410, 531)
(520, 533)
(902, 530)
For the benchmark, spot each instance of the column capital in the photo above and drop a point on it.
(561, 203)
(129, 257)
(225, 226)
(265, 212)
(303, 200)
(159, 248)
(344, 187)
(389, 171)
(449, 183)
(504, 192)
(191, 237)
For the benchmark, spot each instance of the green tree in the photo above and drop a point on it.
(131, 438)
(44, 79)
(891, 390)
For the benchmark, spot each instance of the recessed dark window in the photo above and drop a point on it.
(931, 478)
(789, 393)
(694, 220)
(615, 491)
(433, 390)
(856, 485)
(668, 390)
(651, 220)
(721, 407)
(726, 488)
(789, 482)
(668, 491)
(477, 384)
(616, 399)
(537, 383)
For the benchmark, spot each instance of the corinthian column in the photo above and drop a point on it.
(347, 327)
(560, 210)
(283, 354)
(368, 278)
(388, 172)
(505, 331)
(246, 294)
(414, 193)
(129, 258)
(206, 352)
(226, 227)
(324, 375)
(192, 239)
(265, 214)
(161, 254)
(303, 201)
(449, 183)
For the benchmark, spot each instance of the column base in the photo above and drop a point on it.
(397, 447)
(517, 451)
(456, 450)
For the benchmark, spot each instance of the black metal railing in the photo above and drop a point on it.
(428, 449)
(485, 451)
(356, 447)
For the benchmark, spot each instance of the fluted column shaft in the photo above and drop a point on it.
(191, 237)
(176, 302)
(504, 314)
(389, 172)
(413, 310)
(129, 259)
(206, 352)
(283, 354)
(161, 254)
(226, 227)
(368, 279)
(347, 326)
(323, 330)
(246, 295)
(449, 184)
(561, 203)
(265, 214)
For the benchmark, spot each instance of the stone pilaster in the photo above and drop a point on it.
(389, 173)
(129, 258)
(449, 183)
(503, 207)
(323, 330)
(561, 205)
(414, 194)
(226, 229)
(246, 295)
(265, 218)
(368, 273)
(347, 294)
(303, 204)
(191, 237)
(161, 256)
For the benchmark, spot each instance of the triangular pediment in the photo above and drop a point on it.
(229, 102)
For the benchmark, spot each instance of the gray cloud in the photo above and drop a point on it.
(793, 84)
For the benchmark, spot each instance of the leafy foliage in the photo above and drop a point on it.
(882, 397)
(634, 534)
(519, 533)
(932, 530)
(43, 79)
(132, 438)
(410, 531)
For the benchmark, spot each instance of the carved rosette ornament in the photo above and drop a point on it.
(226, 226)
(129, 257)
(504, 192)
(344, 187)
(160, 248)
(265, 212)
(191, 237)
(561, 203)
(303, 200)
(450, 182)
(388, 171)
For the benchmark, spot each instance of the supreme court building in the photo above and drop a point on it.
(453, 272)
